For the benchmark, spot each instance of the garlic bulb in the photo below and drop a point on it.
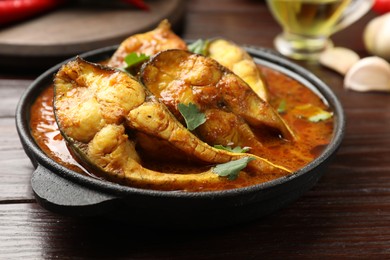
(339, 59)
(369, 74)
(376, 36)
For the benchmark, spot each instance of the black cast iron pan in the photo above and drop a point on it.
(66, 192)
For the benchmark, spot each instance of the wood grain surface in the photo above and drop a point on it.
(345, 216)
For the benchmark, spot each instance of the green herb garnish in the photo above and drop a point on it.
(282, 107)
(199, 47)
(134, 59)
(320, 116)
(313, 113)
(192, 115)
(236, 149)
(232, 169)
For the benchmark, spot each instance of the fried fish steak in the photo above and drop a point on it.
(240, 62)
(149, 43)
(232, 108)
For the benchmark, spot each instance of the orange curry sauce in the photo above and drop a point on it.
(312, 137)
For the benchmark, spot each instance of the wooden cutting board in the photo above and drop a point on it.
(72, 30)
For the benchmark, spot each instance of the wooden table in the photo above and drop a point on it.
(346, 215)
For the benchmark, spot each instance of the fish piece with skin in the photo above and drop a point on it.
(118, 103)
(240, 62)
(149, 43)
(226, 129)
(177, 76)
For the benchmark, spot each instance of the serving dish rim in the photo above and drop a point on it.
(39, 157)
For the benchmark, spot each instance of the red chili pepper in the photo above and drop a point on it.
(381, 6)
(15, 10)
(137, 3)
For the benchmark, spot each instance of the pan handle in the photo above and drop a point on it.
(63, 196)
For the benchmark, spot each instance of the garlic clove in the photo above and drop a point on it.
(339, 59)
(369, 74)
(376, 36)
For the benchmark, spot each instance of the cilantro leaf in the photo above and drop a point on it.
(134, 59)
(313, 113)
(232, 169)
(192, 115)
(282, 107)
(321, 115)
(199, 47)
(236, 149)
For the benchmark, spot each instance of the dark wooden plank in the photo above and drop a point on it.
(225, 6)
(327, 226)
(10, 92)
(238, 27)
(15, 167)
